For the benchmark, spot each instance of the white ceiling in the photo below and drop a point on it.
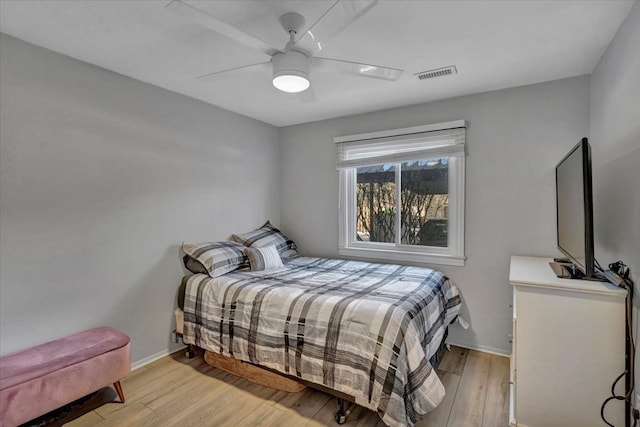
(493, 44)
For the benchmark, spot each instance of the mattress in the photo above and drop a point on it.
(365, 330)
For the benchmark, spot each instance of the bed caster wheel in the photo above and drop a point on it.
(341, 417)
(191, 351)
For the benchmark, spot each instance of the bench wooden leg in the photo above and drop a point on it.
(119, 390)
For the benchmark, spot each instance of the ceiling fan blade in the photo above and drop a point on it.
(308, 96)
(346, 67)
(208, 21)
(342, 14)
(211, 77)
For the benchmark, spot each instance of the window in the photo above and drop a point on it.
(402, 194)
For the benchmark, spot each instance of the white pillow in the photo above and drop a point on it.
(266, 258)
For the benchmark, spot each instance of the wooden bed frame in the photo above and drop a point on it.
(270, 378)
(279, 381)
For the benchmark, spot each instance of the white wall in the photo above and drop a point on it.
(514, 140)
(102, 178)
(615, 141)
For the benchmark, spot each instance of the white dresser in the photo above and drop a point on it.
(568, 347)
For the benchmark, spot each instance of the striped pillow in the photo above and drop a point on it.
(263, 258)
(268, 235)
(217, 258)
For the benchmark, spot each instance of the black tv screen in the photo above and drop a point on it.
(574, 207)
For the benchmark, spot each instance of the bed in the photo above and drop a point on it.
(363, 330)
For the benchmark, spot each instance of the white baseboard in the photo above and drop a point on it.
(482, 348)
(159, 355)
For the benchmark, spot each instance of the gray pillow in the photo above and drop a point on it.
(193, 266)
(217, 258)
(266, 258)
(268, 235)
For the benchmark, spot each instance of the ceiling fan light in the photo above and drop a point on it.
(291, 71)
(291, 83)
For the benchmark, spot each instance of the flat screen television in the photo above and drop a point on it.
(574, 208)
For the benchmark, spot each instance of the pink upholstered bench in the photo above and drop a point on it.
(42, 378)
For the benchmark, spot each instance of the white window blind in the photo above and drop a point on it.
(401, 147)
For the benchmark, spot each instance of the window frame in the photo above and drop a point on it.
(453, 254)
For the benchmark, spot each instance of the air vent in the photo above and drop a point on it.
(438, 72)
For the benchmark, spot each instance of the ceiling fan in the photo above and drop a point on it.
(291, 66)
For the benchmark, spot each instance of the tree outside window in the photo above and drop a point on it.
(423, 198)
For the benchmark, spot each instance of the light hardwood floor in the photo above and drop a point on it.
(176, 391)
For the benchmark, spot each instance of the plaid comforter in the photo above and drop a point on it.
(366, 330)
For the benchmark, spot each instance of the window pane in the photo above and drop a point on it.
(376, 203)
(425, 202)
